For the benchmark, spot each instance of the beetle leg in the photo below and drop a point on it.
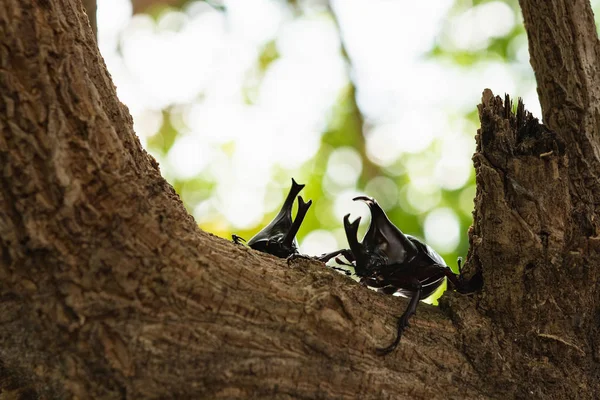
(460, 283)
(298, 256)
(403, 320)
(328, 256)
(237, 239)
(388, 290)
(342, 262)
(345, 271)
(325, 257)
(457, 280)
(374, 283)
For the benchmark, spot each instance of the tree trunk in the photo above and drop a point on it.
(91, 9)
(109, 290)
(536, 327)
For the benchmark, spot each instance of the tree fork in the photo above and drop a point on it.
(109, 290)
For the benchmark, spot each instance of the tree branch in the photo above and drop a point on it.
(565, 55)
(109, 290)
(536, 271)
(568, 76)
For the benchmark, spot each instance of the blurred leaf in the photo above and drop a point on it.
(268, 54)
(163, 140)
(155, 7)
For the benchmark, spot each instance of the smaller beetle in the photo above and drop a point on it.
(392, 262)
(279, 237)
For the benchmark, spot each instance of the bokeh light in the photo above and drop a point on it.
(344, 166)
(442, 230)
(473, 28)
(384, 190)
(319, 242)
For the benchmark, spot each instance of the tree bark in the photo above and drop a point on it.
(91, 9)
(109, 290)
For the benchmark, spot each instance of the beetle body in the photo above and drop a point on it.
(394, 263)
(279, 236)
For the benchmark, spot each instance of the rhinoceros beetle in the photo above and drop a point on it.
(392, 262)
(279, 237)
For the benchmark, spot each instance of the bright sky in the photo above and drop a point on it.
(197, 61)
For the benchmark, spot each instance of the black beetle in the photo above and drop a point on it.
(392, 262)
(279, 237)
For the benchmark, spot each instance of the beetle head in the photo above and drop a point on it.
(383, 242)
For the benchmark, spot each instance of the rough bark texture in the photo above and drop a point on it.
(91, 8)
(109, 290)
(533, 330)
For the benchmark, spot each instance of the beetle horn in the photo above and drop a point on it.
(356, 247)
(386, 236)
(302, 210)
(289, 200)
(351, 229)
(369, 200)
(284, 217)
